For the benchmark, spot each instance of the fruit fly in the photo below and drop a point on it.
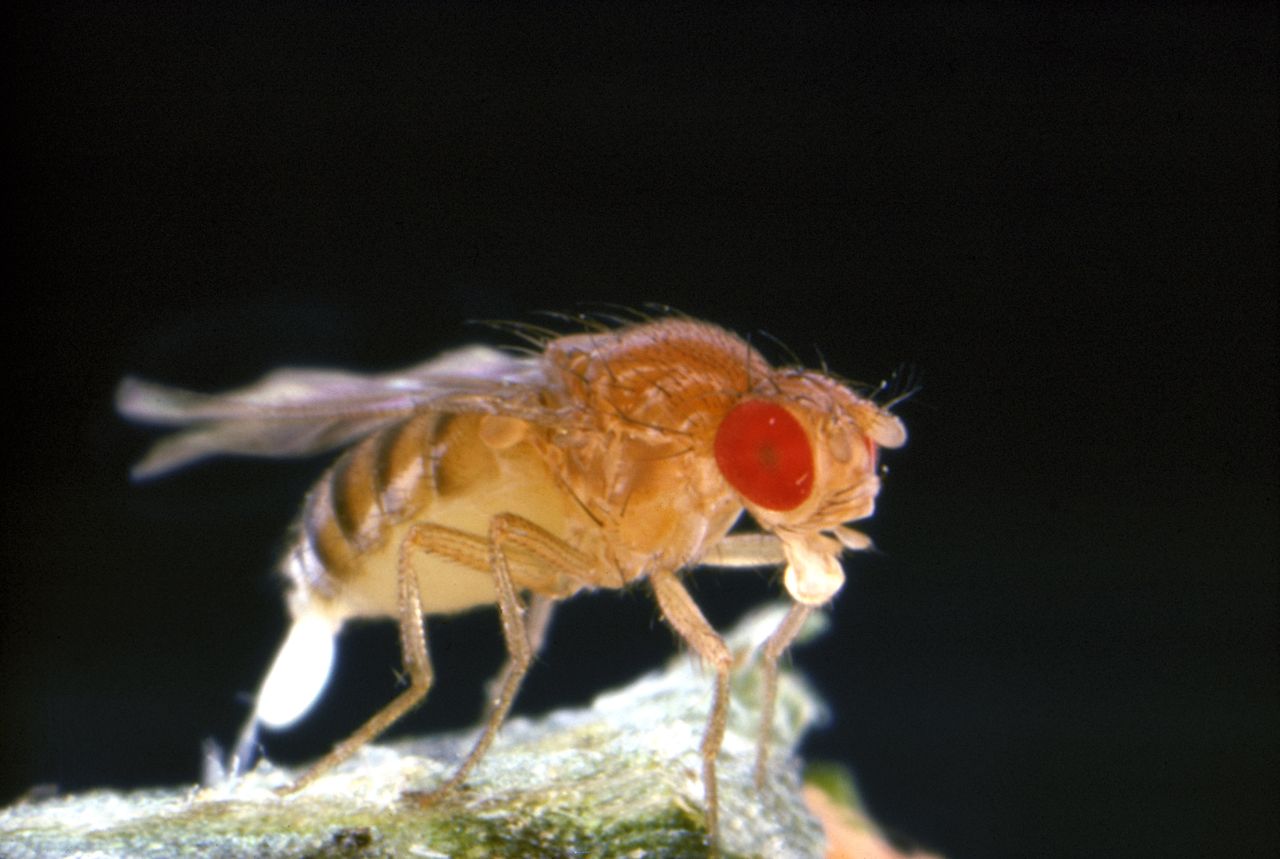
(599, 459)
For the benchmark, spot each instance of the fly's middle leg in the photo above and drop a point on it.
(689, 623)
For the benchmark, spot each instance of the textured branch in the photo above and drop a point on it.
(620, 778)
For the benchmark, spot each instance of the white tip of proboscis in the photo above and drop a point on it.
(813, 573)
(299, 673)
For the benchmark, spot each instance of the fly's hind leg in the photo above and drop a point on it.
(413, 648)
(537, 620)
(542, 559)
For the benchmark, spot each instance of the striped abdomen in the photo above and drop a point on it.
(431, 468)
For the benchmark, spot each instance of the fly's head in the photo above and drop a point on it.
(801, 452)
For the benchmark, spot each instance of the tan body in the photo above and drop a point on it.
(597, 463)
(356, 519)
(628, 482)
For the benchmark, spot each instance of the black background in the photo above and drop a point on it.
(1062, 220)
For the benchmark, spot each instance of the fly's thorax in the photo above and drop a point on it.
(638, 457)
(669, 510)
(658, 375)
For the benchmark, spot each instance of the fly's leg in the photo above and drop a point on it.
(509, 535)
(687, 620)
(413, 648)
(739, 551)
(537, 621)
(762, 550)
(772, 649)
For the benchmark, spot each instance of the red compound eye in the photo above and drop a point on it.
(764, 453)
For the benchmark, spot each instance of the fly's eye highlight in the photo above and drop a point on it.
(764, 453)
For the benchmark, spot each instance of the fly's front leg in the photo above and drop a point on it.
(762, 550)
(687, 620)
(739, 551)
(413, 649)
(772, 649)
(541, 552)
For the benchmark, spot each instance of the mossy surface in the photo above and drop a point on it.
(619, 778)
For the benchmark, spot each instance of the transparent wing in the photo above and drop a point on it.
(296, 412)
